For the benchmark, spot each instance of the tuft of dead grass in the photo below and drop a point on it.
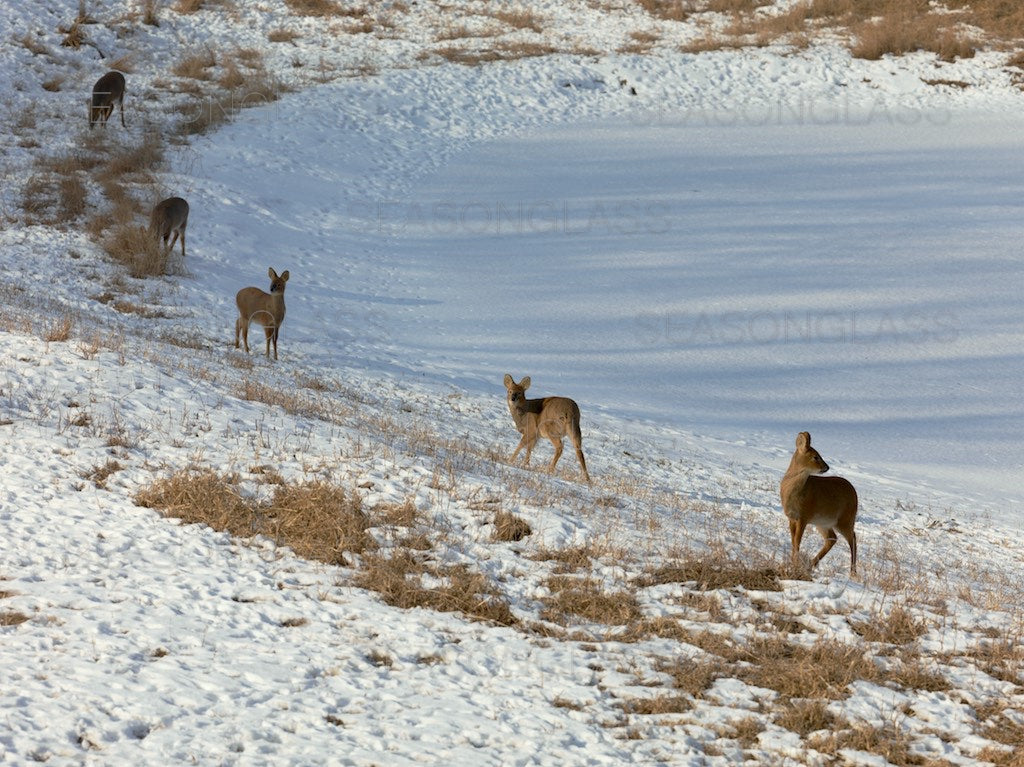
(292, 401)
(898, 626)
(317, 520)
(658, 704)
(283, 35)
(13, 618)
(667, 10)
(99, 475)
(821, 670)
(712, 572)
(575, 600)
(805, 715)
(324, 9)
(899, 34)
(59, 329)
(131, 245)
(398, 578)
(510, 528)
(196, 66)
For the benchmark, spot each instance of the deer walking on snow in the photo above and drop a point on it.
(169, 217)
(828, 503)
(266, 309)
(107, 91)
(551, 417)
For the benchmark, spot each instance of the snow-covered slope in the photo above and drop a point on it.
(708, 252)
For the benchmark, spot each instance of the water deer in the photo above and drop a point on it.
(551, 417)
(107, 91)
(828, 503)
(266, 309)
(169, 217)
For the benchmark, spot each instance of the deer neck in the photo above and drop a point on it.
(792, 488)
(276, 305)
(522, 412)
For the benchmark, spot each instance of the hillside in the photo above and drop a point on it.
(712, 225)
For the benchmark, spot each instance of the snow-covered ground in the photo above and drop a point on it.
(708, 252)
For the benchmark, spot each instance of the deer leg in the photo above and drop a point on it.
(121, 103)
(557, 442)
(522, 443)
(829, 534)
(577, 442)
(796, 534)
(851, 538)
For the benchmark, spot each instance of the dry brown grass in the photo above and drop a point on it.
(569, 558)
(519, 18)
(318, 521)
(242, 88)
(575, 600)
(398, 578)
(322, 522)
(898, 626)
(99, 474)
(74, 35)
(59, 329)
(897, 35)
(509, 528)
(821, 670)
(292, 401)
(804, 716)
(131, 246)
(150, 10)
(195, 66)
(658, 704)
(888, 741)
(13, 618)
(668, 10)
(693, 675)
(188, 6)
(324, 9)
(283, 35)
(715, 571)
(33, 45)
(201, 497)
(874, 28)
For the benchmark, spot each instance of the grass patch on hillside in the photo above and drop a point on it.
(872, 28)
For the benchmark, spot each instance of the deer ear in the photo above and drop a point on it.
(284, 275)
(525, 383)
(271, 273)
(803, 440)
(509, 381)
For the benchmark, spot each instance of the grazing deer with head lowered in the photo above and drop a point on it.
(551, 417)
(170, 217)
(828, 503)
(266, 309)
(107, 91)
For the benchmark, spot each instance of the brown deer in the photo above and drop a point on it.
(551, 417)
(266, 309)
(828, 503)
(107, 91)
(169, 217)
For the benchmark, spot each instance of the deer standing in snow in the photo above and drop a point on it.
(828, 503)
